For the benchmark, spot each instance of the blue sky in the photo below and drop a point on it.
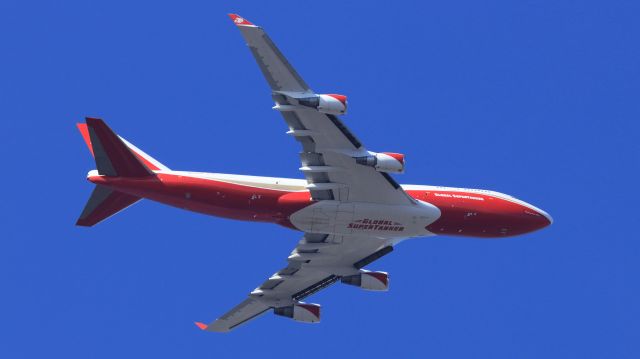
(538, 99)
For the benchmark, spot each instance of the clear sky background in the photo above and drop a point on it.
(538, 99)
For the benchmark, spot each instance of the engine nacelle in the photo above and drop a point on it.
(377, 281)
(332, 104)
(300, 312)
(383, 162)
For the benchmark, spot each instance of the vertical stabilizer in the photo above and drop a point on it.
(113, 157)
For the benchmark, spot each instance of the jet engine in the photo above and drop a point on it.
(367, 280)
(300, 312)
(332, 104)
(383, 162)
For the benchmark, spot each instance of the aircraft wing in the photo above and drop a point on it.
(318, 261)
(330, 151)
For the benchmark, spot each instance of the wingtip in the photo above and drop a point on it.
(240, 21)
(201, 325)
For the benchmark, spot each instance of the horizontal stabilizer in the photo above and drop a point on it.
(104, 203)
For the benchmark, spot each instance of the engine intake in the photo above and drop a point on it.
(300, 312)
(367, 280)
(332, 104)
(383, 162)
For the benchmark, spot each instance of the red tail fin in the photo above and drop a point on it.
(148, 161)
(104, 203)
(113, 157)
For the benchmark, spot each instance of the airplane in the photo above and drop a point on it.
(350, 209)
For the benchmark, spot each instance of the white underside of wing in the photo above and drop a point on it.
(317, 261)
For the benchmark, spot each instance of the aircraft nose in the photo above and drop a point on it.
(547, 216)
(537, 218)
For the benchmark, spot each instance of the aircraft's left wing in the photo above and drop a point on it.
(318, 261)
(336, 164)
(280, 75)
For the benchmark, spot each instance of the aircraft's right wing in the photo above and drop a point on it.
(318, 261)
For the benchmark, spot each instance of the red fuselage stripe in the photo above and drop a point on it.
(462, 213)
